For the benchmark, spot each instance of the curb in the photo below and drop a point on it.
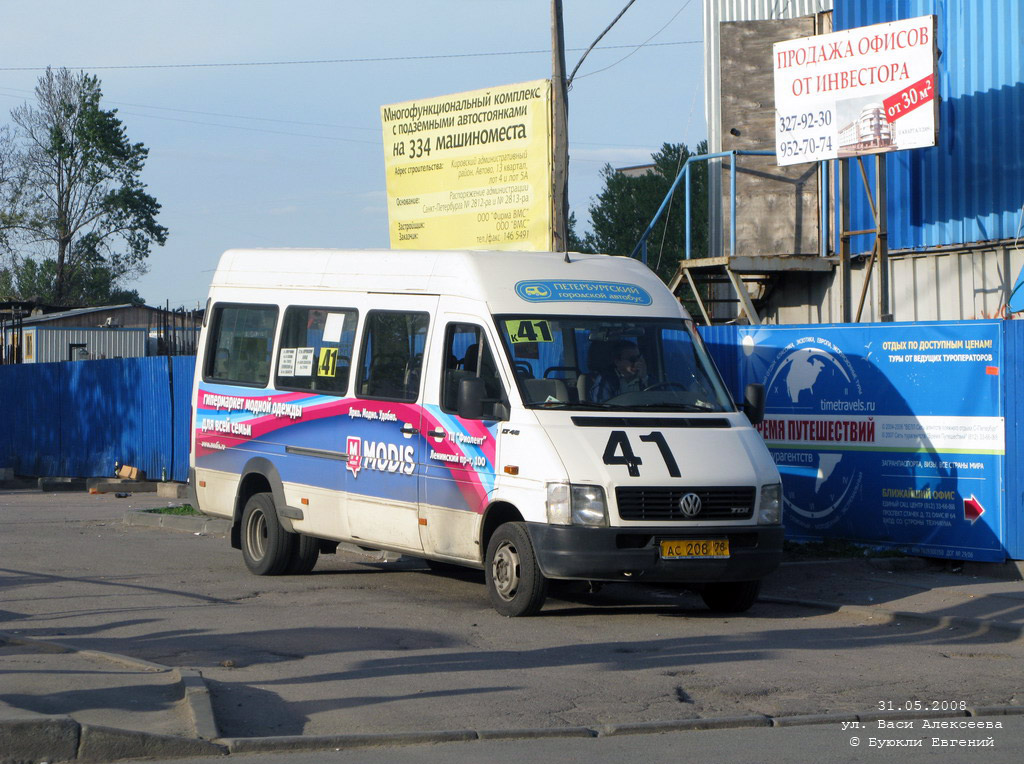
(37, 737)
(200, 706)
(28, 736)
(344, 742)
(51, 484)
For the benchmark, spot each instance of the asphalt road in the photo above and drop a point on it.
(369, 647)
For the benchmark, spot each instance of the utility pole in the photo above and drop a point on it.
(559, 135)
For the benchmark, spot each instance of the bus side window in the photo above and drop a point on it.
(240, 344)
(393, 343)
(468, 356)
(316, 349)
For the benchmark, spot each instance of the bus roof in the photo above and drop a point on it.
(502, 279)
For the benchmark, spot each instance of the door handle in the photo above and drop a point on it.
(408, 429)
(438, 434)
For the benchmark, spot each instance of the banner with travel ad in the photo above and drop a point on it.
(887, 434)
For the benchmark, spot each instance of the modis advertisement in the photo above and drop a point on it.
(471, 170)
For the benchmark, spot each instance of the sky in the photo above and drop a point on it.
(262, 117)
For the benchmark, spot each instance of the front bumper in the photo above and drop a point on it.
(632, 554)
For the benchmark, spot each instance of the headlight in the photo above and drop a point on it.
(588, 505)
(569, 504)
(769, 512)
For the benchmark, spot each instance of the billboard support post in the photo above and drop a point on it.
(882, 238)
(559, 134)
(844, 239)
(880, 250)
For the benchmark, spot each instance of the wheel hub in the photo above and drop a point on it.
(256, 535)
(505, 571)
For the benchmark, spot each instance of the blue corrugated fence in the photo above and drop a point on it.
(967, 188)
(79, 419)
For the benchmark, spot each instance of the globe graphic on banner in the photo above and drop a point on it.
(818, 485)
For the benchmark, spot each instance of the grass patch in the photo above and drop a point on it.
(184, 509)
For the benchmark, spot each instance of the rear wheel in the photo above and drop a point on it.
(514, 581)
(731, 596)
(304, 556)
(266, 548)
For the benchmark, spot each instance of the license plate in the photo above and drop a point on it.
(695, 549)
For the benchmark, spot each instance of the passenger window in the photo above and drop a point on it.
(241, 344)
(392, 356)
(468, 355)
(316, 349)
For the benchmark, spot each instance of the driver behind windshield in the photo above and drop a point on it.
(628, 373)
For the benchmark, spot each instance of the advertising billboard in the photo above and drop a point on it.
(471, 170)
(887, 434)
(867, 90)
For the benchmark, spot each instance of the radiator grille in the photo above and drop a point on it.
(662, 504)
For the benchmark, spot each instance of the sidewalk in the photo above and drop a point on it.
(980, 596)
(63, 704)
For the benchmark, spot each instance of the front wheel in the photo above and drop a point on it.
(266, 547)
(514, 581)
(731, 596)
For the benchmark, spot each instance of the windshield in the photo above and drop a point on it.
(583, 362)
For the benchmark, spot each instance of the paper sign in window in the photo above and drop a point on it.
(304, 362)
(286, 366)
(333, 326)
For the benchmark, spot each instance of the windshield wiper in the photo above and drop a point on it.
(705, 408)
(570, 405)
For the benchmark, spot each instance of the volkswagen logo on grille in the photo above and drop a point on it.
(690, 504)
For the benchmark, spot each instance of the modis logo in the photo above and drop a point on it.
(354, 448)
(379, 456)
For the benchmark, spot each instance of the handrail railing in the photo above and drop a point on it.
(685, 173)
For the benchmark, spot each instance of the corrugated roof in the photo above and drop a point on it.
(41, 319)
(970, 186)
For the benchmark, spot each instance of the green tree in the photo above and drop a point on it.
(91, 284)
(628, 203)
(78, 212)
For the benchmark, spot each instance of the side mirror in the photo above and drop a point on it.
(471, 398)
(753, 403)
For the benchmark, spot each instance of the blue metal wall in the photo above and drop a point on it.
(1013, 392)
(970, 187)
(78, 419)
(878, 372)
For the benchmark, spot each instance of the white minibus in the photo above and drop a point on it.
(540, 416)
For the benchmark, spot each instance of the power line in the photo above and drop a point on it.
(10, 93)
(252, 129)
(307, 62)
(645, 44)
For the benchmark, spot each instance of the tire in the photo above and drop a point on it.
(304, 556)
(514, 581)
(266, 547)
(731, 596)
